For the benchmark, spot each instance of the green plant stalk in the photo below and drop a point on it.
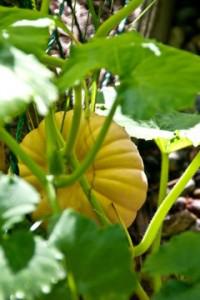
(53, 129)
(95, 18)
(95, 204)
(156, 280)
(51, 194)
(21, 154)
(114, 20)
(93, 95)
(140, 292)
(66, 180)
(75, 124)
(165, 206)
(54, 143)
(72, 286)
(63, 26)
(51, 61)
(45, 7)
(143, 12)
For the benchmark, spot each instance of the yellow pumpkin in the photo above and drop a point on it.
(117, 177)
(3, 165)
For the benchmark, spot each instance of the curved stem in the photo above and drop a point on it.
(72, 286)
(143, 12)
(52, 61)
(96, 205)
(162, 194)
(165, 206)
(66, 180)
(75, 124)
(45, 6)
(51, 194)
(114, 20)
(54, 143)
(21, 154)
(95, 18)
(140, 292)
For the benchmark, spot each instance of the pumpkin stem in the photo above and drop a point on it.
(66, 180)
(165, 206)
(156, 280)
(75, 124)
(96, 205)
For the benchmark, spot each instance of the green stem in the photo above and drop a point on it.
(53, 130)
(75, 124)
(140, 292)
(96, 205)
(114, 20)
(66, 180)
(162, 194)
(51, 194)
(54, 143)
(63, 26)
(72, 286)
(95, 18)
(165, 206)
(21, 154)
(93, 95)
(143, 12)
(52, 61)
(45, 7)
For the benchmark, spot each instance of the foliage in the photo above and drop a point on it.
(155, 87)
(180, 258)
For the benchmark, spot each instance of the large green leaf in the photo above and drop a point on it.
(17, 198)
(25, 29)
(30, 266)
(10, 15)
(180, 256)
(98, 259)
(175, 290)
(172, 131)
(30, 39)
(153, 77)
(23, 80)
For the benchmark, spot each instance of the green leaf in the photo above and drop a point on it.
(176, 290)
(153, 77)
(179, 256)
(17, 198)
(29, 265)
(98, 259)
(60, 291)
(172, 131)
(26, 38)
(10, 15)
(26, 29)
(23, 80)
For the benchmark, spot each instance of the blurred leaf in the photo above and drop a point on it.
(17, 198)
(9, 15)
(176, 290)
(179, 256)
(23, 80)
(59, 291)
(153, 77)
(98, 259)
(29, 39)
(29, 266)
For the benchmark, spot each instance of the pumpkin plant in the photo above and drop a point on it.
(75, 158)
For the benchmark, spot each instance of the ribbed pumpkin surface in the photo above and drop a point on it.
(116, 176)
